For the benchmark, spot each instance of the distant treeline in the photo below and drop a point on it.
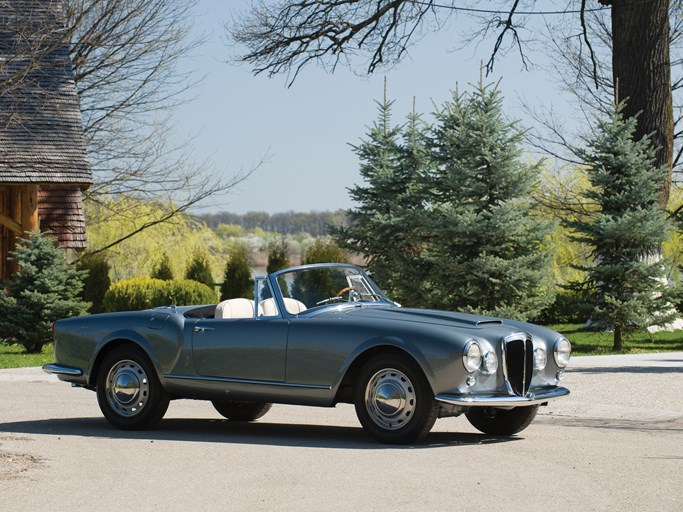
(287, 223)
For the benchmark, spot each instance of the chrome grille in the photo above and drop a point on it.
(518, 367)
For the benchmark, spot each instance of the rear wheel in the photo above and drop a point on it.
(394, 401)
(242, 411)
(501, 422)
(128, 390)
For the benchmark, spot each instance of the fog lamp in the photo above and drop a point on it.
(540, 359)
(490, 363)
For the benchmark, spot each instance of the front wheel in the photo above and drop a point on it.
(242, 411)
(394, 401)
(128, 390)
(501, 422)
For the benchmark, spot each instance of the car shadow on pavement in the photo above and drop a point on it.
(262, 433)
(627, 369)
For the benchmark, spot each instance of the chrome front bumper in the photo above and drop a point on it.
(58, 369)
(491, 400)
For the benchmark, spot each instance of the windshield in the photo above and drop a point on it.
(308, 288)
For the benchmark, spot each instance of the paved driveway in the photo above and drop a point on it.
(615, 444)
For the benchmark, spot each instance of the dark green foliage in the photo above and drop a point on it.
(446, 217)
(488, 255)
(198, 269)
(387, 226)
(144, 293)
(162, 269)
(237, 280)
(278, 256)
(43, 290)
(627, 230)
(97, 281)
(569, 307)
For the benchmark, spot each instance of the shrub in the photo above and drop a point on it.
(144, 293)
(97, 281)
(44, 289)
(569, 307)
(198, 269)
(324, 250)
(278, 256)
(237, 281)
(162, 269)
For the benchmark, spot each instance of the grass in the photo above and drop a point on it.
(593, 343)
(13, 356)
(584, 343)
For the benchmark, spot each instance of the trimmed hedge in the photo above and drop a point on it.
(145, 292)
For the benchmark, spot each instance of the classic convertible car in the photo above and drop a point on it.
(316, 335)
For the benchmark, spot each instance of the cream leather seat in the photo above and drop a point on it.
(268, 307)
(235, 308)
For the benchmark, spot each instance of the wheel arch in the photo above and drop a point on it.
(347, 383)
(112, 344)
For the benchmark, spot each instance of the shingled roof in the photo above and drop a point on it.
(41, 133)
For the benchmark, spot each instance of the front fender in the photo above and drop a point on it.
(361, 353)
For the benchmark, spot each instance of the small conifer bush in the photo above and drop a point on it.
(43, 290)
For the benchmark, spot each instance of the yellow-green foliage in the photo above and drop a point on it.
(672, 250)
(145, 292)
(135, 256)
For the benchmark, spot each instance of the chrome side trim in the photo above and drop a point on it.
(58, 369)
(491, 400)
(247, 381)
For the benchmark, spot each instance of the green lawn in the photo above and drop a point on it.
(591, 343)
(583, 343)
(13, 356)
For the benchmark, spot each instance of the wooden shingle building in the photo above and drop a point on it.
(43, 163)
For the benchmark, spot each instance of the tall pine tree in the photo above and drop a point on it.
(626, 231)
(488, 251)
(385, 225)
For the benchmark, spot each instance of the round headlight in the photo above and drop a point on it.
(471, 356)
(490, 364)
(540, 359)
(563, 351)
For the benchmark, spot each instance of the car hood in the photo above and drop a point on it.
(430, 316)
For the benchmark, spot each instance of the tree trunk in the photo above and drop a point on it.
(642, 74)
(618, 343)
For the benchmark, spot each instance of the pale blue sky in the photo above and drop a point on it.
(306, 129)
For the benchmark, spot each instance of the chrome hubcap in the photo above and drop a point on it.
(390, 399)
(127, 388)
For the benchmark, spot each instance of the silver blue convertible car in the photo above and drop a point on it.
(316, 335)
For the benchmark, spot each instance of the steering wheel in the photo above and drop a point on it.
(344, 290)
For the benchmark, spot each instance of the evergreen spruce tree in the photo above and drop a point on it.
(278, 256)
(198, 269)
(488, 251)
(43, 290)
(97, 280)
(162, 269)
(237, 280)
(383, 226)
(626, 231)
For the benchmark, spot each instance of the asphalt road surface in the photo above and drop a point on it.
(615, 444)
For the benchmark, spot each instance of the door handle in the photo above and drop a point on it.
(202, 329)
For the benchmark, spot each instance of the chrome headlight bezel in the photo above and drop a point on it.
(562, 352)
(472, 356)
